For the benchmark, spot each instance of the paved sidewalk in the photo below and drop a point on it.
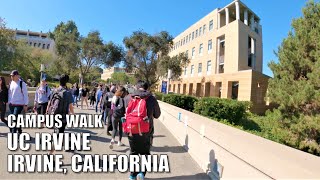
(182, 166)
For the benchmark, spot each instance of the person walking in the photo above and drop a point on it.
(140, 136)
(98, 97)
(118, 113)
(92, 97)
(64, 97)
(75, 94)
(3, 99)
(84, 96)
(42, 97)
(18, 97)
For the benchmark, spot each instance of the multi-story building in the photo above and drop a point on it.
(109, 71)
(225, 51)
(36, 39)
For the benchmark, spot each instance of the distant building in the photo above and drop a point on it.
(109, 71)
(36, 39)
(225, 51)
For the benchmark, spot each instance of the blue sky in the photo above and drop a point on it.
(116, 19)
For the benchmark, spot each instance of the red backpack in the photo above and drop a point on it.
(136, 118)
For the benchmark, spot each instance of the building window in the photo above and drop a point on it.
(181, 42)
(34, 44)
(200, 68)
(192, 69)
(201, 48)
(189, 37)
(43, 46)
(251, 52)
(210, 25)
(221, 68)
(204, 29)
(196, 33)
(48, 46)
(193, 51)
(193, 35)
(200, 31)
(39, 44)
(210, 45)
(209, 66)
(185, 71)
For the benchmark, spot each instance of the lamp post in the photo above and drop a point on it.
(169, 77)
(80, 79)
(42, 69)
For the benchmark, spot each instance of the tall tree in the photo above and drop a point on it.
(67, 45)
(148, 57)
(296, 83)
(95, 53)
(7, 45)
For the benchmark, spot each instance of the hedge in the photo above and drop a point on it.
(181, 101)
(222, 109)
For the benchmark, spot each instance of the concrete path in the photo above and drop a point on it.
(182, 166)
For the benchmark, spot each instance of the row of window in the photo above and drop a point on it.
(199, 68)
(193, 35)
(193, 52)
(44, 46)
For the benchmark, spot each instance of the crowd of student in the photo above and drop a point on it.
(123, 112)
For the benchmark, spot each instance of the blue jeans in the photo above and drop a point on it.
(15, 110)
(75, 99)
(97, 103)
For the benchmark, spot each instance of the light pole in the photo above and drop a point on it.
(169, 77)
(80, 79)
(42, 69)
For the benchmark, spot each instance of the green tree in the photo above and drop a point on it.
(67, 46)
(7, 45)
(296, 83)
(95, 53)
(119, 78)
(148, 57)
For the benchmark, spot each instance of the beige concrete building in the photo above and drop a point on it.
(225, 49)
(109, 71)
(36, 39)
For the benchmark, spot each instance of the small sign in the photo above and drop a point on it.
(164, 86)
(179, 116)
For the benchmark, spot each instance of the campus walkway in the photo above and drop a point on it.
(182, 166)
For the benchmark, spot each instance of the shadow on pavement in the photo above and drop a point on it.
(196, 176)
(173, 149)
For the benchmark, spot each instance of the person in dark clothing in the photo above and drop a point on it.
(92, 97)
(75, 94)
(3, 99)
(84, 94)
(141, 144)
(67, 104)
(118, 113)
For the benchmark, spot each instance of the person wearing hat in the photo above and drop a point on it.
(42, 97)
(18, 97)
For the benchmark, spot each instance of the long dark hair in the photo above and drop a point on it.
(3, 84)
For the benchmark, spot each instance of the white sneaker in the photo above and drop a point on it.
(111, 144)
(120, 143)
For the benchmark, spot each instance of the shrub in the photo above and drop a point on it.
(219, 109)
(158, 95)
(181, 101)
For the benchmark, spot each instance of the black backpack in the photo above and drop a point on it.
(119, 109)
(105, 100)
(58, 103)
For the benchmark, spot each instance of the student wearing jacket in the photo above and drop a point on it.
(141, 144)
(3, 99)
(18, 97)
(42, 97)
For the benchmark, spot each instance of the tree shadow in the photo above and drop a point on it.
(249, 124)
(173, 149)
(157, 136)
(215, 169)
(122, 151)
(187, 177)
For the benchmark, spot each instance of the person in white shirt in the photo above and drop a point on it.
(18, 97)
(42, 97)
